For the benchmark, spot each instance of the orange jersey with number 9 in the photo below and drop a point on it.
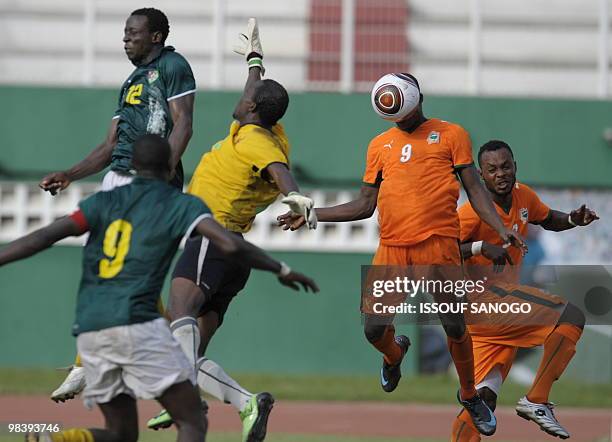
(416, 173)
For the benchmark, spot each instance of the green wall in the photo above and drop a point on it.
(557, 142)
(268, 328)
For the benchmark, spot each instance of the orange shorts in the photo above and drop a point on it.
(441, 250)
(435, 257)
(496, 339)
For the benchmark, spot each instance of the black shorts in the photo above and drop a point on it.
(219, 278)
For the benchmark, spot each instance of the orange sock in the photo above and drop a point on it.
(559, 348)
(463, 356)
(73, 435)
(388, 347)
(464, 429)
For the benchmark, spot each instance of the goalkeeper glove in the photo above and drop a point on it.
(304, 206)
(250, 46)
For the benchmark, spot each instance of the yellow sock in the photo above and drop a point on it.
(73, 435)
(77, 360)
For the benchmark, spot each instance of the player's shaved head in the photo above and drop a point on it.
(497, 167)
(151, 154)
(271, 100)
(492, 146)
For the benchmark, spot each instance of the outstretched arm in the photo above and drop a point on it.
(39, 240)
(483, 205)
(251, 255)
(299, 204)
(558, 221)
(361, 208)
(93, 163)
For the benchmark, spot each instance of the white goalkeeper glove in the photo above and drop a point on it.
(302, 205)
(250, 46)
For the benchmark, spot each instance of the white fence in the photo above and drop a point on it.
(24, 207)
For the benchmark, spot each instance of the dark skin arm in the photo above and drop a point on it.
(253, 77)
(361, 208)
(557, 221)
(237, 248)
(280, 174)
(481, 201)
(181, 111)
(39, 240)
(93, 163)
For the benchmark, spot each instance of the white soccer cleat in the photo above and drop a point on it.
(543, 415)
(72, 385)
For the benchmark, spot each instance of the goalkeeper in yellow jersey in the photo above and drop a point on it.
(242, 174)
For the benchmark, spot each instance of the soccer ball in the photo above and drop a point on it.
(395, 96)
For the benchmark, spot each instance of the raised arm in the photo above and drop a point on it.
(181, 111)
(93, 163)
(483, 205)
(236, 247)
(39, 240)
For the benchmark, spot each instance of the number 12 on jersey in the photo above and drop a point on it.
(115, 247)
(406, 153)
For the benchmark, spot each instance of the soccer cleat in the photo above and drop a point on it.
(543, 415)
(162, 420)
(72, 385)
(482, 417)
(38, 437)
(390, 374)
(254, 417)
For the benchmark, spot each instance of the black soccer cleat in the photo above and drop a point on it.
(483, 418)
(390, 374)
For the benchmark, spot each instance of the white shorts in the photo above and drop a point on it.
(141, 360)
(114, 179)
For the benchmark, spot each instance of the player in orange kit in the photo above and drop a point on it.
(411, 176)
(552, 322)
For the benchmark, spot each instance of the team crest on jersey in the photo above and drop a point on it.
(434, 137)
(524, 213)
(152, 75)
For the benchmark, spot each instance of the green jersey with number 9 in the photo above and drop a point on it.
(135, 231)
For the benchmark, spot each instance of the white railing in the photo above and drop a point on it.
(24, 208)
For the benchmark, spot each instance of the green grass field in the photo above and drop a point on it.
(422, 389)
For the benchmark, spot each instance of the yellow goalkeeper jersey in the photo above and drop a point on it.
(229, 180)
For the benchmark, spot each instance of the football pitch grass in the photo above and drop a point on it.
(421, 389)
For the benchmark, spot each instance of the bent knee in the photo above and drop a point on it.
(186, 299)
(374, 333)
(573, 315)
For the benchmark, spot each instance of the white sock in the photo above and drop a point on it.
(216, 382)
(185, 331)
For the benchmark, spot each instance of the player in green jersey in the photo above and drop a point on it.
(127, 348)
(156, 98)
